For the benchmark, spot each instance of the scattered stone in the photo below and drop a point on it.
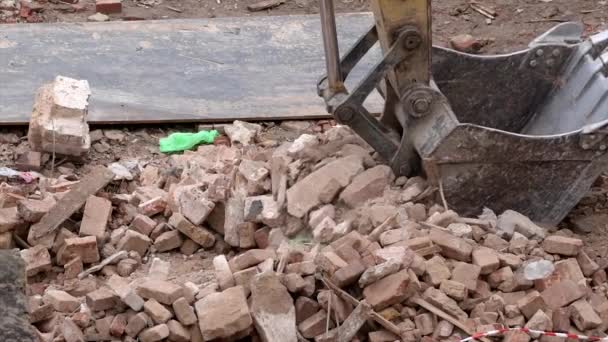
(511, 221)
(242, 132)
(465, 43)
(98, 17)
(125, 267)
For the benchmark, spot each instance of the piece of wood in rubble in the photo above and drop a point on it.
(109, 260)
(350, 327)
(96, 180)
(264, 4)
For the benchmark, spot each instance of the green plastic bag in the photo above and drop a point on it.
(184, 141)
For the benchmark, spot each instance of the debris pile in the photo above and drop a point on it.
(311, 239)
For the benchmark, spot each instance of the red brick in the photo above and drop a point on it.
(445, 303)
(561, 320)
(143, 224)
(348, 275)
(177, 332)
(437, 271)
(154, 334)
(199, 235)
(315, 325)
(97, 213)
(451, 246)
(61, 301)
(101, 299)
(329, 262)
(500, 276)
(134, 241)
(163, 291)
(454, 289)
(305, 307)
(466, 274)
(587, 265)
(250, 258)
(168, 241)
(84, 247)
(152, 207)
(562, 294)
(562, 245)
(157, 311)
(73, 268)
(531, 303)
(387, 291)
(583, 315)
(223, 273)
(487, 259)
(118, 326)
(137, 323)
(108, 6)
(184, 312)
(37, 259)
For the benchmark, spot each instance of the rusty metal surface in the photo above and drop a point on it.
(541, 177)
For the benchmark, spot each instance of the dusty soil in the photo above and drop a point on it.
(516, 23)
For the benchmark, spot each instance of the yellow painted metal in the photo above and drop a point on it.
(392, 15)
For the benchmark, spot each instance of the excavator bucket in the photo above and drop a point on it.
(525, 131)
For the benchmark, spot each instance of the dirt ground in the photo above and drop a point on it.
(516, 22)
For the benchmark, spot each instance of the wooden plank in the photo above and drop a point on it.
(98, 178)
(186, 70)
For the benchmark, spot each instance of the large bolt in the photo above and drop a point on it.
(421, 106)
(344, 114)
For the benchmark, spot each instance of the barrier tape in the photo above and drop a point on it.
(534, 334)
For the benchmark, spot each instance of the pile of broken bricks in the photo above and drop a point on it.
(309, 240)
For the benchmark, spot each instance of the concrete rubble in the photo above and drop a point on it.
(314, 239)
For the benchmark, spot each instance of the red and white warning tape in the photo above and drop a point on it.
(535, 334)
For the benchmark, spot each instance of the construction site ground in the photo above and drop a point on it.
(516, 23)
(137, 147)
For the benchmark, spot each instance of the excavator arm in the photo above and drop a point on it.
(523, 131)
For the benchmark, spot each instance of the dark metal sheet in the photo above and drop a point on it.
(177, 70)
